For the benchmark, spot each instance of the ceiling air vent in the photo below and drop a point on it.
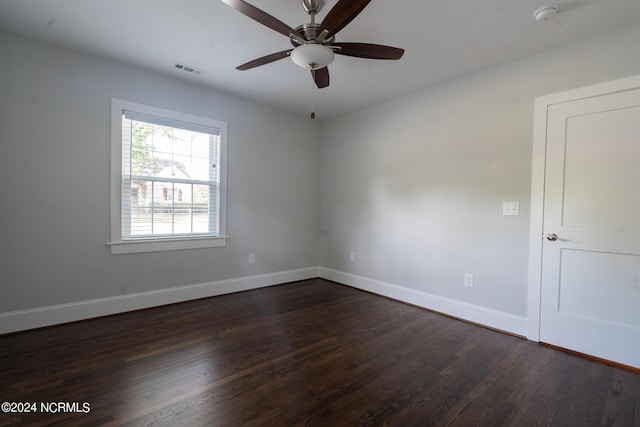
(188, 68)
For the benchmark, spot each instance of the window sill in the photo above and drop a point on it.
(158, 245)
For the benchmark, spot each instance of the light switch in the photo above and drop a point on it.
(510, 208)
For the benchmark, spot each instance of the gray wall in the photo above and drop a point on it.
(415, 185)
(54, 170)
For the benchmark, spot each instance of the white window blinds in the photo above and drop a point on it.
(170, 178)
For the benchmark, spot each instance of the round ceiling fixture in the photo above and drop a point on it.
(312, 56)
(543, 13)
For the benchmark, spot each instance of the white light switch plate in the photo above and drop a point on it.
(468, 280)
(510, 208)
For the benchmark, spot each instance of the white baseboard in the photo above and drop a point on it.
(492, 318)
(21, 320)
(15, 321)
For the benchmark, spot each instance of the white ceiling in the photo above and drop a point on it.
(443, 40)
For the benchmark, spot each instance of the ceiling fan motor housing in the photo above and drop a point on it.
(309, 32)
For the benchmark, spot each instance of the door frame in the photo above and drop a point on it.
(538, 165)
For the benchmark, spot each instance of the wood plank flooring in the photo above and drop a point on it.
(308, 353)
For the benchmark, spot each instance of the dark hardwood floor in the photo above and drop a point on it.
(306, 353)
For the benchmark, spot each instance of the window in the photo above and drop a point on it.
(168, 179)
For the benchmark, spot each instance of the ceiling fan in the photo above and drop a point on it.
(314, 44)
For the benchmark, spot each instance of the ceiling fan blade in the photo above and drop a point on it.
(261, 16)
(264, 60)
(340, 15)
(321, 77)
(368, 50)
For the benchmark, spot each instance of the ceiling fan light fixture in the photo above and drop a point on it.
(544, 13)
(312, 56)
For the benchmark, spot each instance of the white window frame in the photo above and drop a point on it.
(118, 244)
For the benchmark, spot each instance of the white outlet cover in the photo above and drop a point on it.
(510, 208)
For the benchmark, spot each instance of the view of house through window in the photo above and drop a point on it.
(171, 178)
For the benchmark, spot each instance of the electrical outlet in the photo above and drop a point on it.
(252, 258)
(352, 256)
(468, 280)
(510, 208)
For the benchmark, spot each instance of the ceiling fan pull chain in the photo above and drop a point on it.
(312, 100)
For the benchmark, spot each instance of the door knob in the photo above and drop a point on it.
(553, 237)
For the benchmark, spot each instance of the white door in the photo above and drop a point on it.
(590, 276)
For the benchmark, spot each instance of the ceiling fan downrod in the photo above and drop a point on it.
(312, 7)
